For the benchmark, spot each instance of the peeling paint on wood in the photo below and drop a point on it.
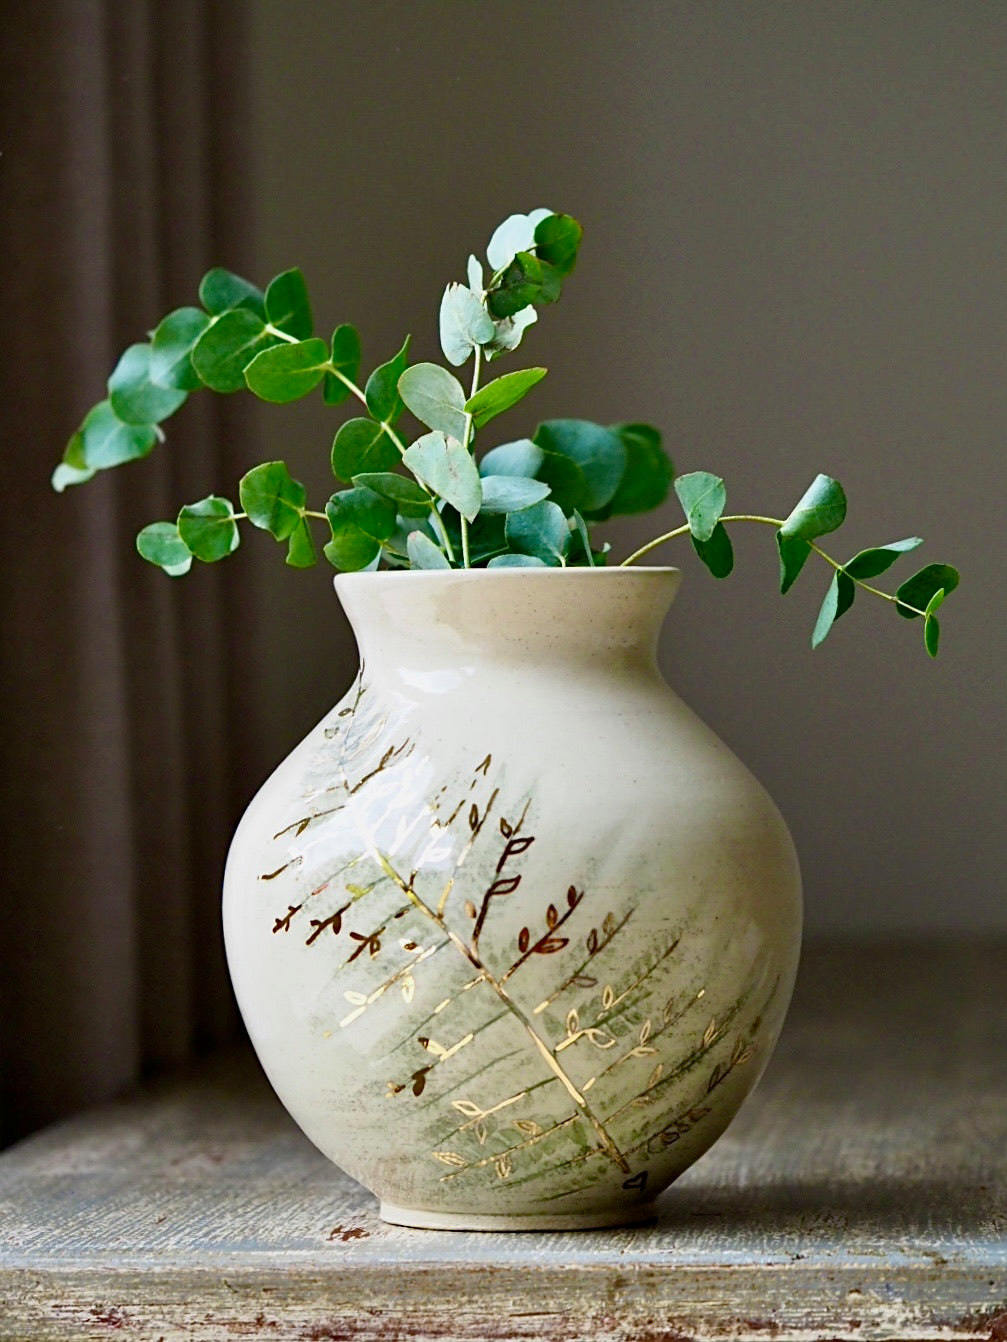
(861, 1194)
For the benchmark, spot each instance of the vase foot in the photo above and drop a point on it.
(422, 1219)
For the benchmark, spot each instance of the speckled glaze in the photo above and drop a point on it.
(512, 931)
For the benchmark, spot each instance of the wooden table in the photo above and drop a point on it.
(862, 1193)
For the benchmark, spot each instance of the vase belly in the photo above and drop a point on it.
(513, 934)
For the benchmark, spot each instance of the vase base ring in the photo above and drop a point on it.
(422, 1219)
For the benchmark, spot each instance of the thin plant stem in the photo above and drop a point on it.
(769, 522)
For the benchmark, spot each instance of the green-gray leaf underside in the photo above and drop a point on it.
(447, 469)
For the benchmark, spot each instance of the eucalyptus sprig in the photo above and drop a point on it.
(426, 500)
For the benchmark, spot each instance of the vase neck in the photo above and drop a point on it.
(548, 619)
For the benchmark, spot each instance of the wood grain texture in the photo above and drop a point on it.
(861, 1194)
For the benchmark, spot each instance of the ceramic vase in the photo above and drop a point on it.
(513, 933)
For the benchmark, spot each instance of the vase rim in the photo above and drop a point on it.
(511, 574)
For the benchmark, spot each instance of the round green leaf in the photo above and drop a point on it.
(557, 238)
(511, 493)
(423, 553)
(508, 332)
(838, 600)
(360, 445)
(463, 323)
(793, 553)
(515, 234)
(516, 561)
(583, 465)
(171, 349)
(360, 520)
(821, 509)
(648, 474)
(220, 290)
(919, 590)
(932, 632)
(703, 499)
(382, 389)
(103, 440)
(287, 372)
(871, 563)
(226, 348)
(522, 457)
(446, 468)
(402, 489)
(65, 475)
(301, 551)
(717, 553)
(287, 305)
(540, 531)
(435, 398)
(208, 528)
(526, 280)
(346, 361)
(272, 499)
(161, 544)
(500, 394)
(134, 397)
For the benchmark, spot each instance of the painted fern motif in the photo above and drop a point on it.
(438, 978)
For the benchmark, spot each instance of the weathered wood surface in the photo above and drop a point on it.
(862, 1193)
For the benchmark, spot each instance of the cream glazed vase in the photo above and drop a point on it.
(512, 931)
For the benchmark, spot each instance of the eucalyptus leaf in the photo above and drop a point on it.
(287, 304)
(583, 464)
(931, 627)
(918, 590)
(161, 544)
(648, 473)
(423, 553)
(65, 475)
(540, 531)
(446, 468)
(272, 499)
(464, 324)
(500, 394)
(703, 499)
(580, 526)
(103, 440)
(208, 528)
(717, 553)
(557, 238)
(838, 600)
(793, 553)
(515, 234)
(381, 391)
(511, 493)
(346, 360)
(522, 457)
(517, 561)
(227, 346)
(171, 349)
(526, 280)
(402, 489)
(220, 290)
(822, 509)
(287, 372)
(871, 563)
(134, 397)
(361, 445)
(435, 397)
(509, 331)
(359, 520)
(301, 552)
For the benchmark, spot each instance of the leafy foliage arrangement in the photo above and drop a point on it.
(429, 503)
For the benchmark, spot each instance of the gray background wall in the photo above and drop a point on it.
(794, 261)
